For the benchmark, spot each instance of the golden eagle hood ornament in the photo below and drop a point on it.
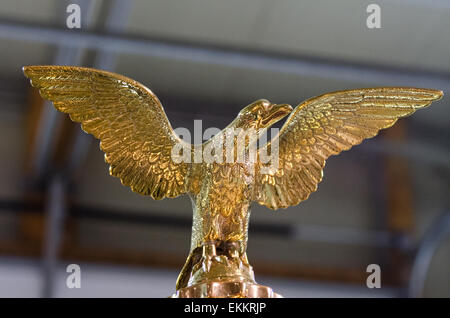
(138, 142)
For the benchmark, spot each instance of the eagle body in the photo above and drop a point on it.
(222, 203)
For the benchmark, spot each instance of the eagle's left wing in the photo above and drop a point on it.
(127, 117)
(326, 125)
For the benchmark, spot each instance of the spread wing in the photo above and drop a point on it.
(326, 125)
(126, 116)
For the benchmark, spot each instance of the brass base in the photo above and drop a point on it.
(220, 289)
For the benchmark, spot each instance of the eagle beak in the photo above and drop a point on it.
(276, 112)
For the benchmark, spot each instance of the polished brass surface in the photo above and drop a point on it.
(137, 139)
(226, 289)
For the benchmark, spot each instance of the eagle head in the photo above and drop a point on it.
(262, 114)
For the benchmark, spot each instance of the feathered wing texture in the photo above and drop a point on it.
(326, 125)
(127, 117)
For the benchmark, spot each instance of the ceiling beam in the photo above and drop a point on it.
(227, 56)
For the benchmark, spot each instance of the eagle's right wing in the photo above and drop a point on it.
(127, 117)
(324, 126)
